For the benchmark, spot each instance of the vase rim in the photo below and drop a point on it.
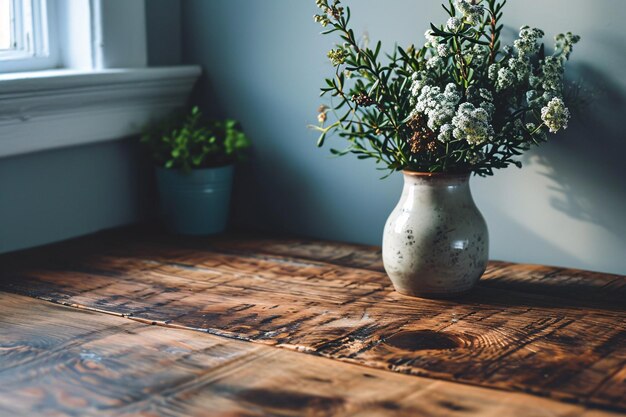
(442, 175)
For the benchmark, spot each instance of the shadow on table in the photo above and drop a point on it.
(522, 293)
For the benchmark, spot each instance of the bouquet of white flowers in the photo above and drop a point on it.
(461, 103)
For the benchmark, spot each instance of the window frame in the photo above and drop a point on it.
(103, 90)
(34, 35)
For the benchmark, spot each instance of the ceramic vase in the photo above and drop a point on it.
(435, 242)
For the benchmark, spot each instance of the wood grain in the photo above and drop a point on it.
(55, 360)
(548, 331)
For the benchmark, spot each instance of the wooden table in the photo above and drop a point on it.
(135, 322)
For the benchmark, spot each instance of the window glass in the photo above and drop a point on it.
(5, 24)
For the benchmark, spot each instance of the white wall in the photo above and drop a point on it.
(265, 61)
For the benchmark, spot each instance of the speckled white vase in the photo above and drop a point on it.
(435, 242)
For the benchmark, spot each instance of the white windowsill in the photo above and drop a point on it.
(56, 108)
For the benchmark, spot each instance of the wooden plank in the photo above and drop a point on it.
(525, 328)
(55, 360)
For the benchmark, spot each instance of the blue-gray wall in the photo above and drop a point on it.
(50, 196)
(264, 61)
(163, 32)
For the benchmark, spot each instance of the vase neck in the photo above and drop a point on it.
(436, 187)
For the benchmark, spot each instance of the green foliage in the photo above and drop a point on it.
(190, 142)
(460, 103)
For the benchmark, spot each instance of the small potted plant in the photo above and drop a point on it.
(463, 103)
(194, 161)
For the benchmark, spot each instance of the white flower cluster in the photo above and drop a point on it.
(418, 82)
(434, 62)
(545, 81)
(478, 55)
(552, 74)
(483, 97)
(520, 67)
(547, 85)
(438, 106)
(492, 72)
(527, 44)
(472, 12)
(472, 125)
(442, 50)
(565, 44)
(454, 24)
(555, 115)
(513, 72)
(450, 119)
(431, 40)
(505, 79)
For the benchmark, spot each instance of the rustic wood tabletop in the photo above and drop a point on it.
(133, 322)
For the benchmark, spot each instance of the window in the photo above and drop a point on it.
(26, 35)
(73, 72)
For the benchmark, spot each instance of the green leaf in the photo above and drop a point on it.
(337, 152)
(373, 87)
(475, 41)
(321, 139)
(440, 32)
(377, 51)
(326, 32)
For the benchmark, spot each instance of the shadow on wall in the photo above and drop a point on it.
(587, 169)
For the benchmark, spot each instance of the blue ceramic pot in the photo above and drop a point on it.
(195, 203)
